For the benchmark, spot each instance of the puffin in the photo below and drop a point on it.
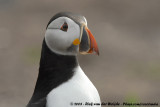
(61, 82)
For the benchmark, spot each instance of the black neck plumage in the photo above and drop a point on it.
(54, 70)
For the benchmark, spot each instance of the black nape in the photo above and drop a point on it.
(54, 70)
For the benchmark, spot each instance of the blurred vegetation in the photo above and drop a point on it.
(132, 99)
(32, 55)
(149, 70)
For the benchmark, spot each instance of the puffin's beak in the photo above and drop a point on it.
(88, 43)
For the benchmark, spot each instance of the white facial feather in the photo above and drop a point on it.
(59, 41)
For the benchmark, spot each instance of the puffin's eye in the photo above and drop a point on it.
(64, 27)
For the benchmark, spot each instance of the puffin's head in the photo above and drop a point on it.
(68, 34)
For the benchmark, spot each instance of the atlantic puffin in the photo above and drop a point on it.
(61, 82)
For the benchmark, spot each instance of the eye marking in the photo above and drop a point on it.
(64, 27)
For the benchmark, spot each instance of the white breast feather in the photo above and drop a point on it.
(79, 89)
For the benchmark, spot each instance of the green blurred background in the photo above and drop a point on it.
(127, 32)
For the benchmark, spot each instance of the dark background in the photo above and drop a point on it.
(127, 32)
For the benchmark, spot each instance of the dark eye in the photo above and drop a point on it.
(64, 27)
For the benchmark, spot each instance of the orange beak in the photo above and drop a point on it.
(88, 44)
(93, 43)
